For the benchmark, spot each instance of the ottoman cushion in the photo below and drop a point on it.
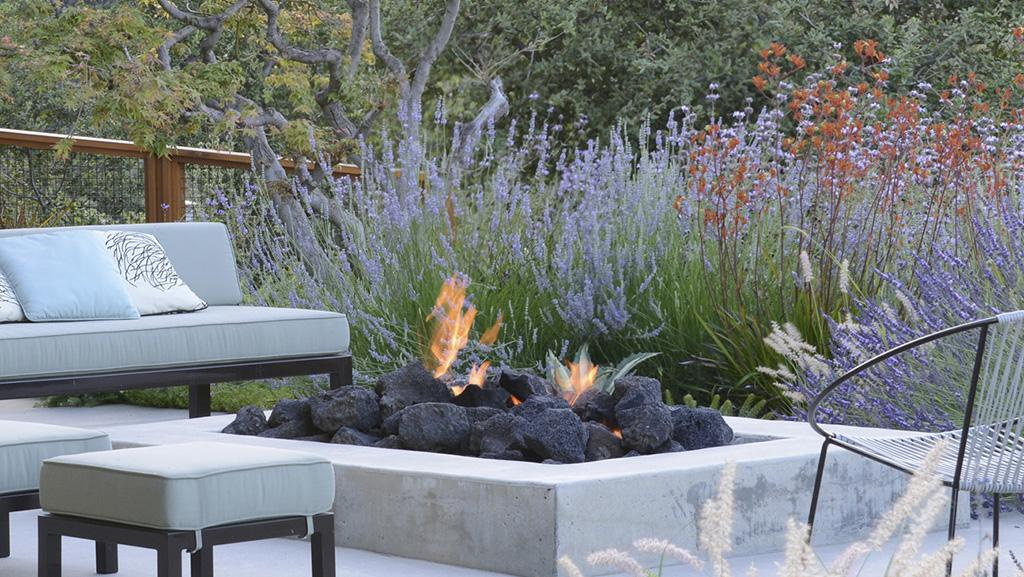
(24, 446)
(188, 486)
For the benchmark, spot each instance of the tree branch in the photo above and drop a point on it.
(360, 19)
(434, 49)
(495, 108)
(199, 20)
(164, 51)
(381, 50)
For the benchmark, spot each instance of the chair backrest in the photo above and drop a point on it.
(200, 252)
(994, 442)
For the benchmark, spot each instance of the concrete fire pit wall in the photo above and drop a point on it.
(519, 518)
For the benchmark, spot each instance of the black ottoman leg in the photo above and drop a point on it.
(168, 560)
(322, 545)
(106, 558)
(5, 533)
(49, 550)
(198, 401)
(202, 562)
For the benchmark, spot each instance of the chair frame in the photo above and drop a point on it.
(26, 501)
(830, 439)
(169, 544)
(197, 377)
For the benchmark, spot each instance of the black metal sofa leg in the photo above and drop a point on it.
(106, 558)
(5, 533)
(198, 401)
(202, 562)
(322, 546)
(342, 376)
(49, 551)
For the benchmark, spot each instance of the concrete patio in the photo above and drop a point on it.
(284, 557)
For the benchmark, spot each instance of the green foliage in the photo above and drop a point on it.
(604, 377)
(752, 407)
(228, 397)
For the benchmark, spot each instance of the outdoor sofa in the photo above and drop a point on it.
(226, 341)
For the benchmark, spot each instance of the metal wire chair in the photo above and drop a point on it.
(986, 455)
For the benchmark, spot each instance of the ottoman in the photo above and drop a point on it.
(23, 447)
(186, 497)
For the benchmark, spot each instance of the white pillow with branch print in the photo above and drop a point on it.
(153, 284)
(10, 308)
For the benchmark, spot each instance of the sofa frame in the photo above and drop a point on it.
(198, 378)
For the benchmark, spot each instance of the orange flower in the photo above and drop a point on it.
(759, 83)
(796, 61)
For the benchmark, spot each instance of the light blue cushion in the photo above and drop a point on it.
(65, 276)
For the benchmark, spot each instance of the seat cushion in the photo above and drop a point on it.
(219, 334)
(24, 446)
(188, 486)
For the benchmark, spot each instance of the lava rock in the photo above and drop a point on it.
(350, 436)
(670, 446)
(474, 396)
(557, 434)
(538, 404)
(595, 405)
(392, 423)
(477, 414)
(523, 385)
(699, 428)
(509, 455)
(289, 410)
(290, 430)
(389, 442)
(602, 443)
(632, 454)
(248, 421)
(634, 391)
(350, 406)
(410, 385)
(551, 462)
(321, 438)
(499, 434)
(435, 427)
(646, 427)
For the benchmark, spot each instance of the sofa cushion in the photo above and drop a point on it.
(153, 284)
(65, 276)
(188, 486)
(218, 334)
(24, 447)
(10, 308)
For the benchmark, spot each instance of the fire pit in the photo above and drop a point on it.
(514, 416)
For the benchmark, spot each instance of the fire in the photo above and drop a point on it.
(454, 321)
(617, 433)
(581, 377)
(515, 400)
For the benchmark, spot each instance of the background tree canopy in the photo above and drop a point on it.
(91, 66)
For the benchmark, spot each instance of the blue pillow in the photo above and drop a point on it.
(65, 276)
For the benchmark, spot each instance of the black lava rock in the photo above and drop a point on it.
(474, 396)
(557, 434)
(477, 414)
(499, 434)
(602, 443)
(248, 421)
(633, 391)
(509, 455)
(389, 442)
(595, 405)
(390, 425)
(699, 428)
(537, 404)
(290, 430)
(524, 385)
(435, 427)
(289, 410)
(321, 438)
(351, 406)
(410, 385)
(646, 427)
(350, 436)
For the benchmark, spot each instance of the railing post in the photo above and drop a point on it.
(165, 189)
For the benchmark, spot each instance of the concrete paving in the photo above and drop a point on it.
(286, 557)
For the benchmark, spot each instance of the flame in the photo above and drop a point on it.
(581, 378)
(478, 374)
(515, 400)
(617, 433)
(453, 324)
(491, 335)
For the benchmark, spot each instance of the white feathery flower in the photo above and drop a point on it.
(665, 548)
(907, 304)
(570, 568)
(934, 564)
(787, 341)
(805, 268)
(619, 560)
(979, 567)
(844, 277)
(840, 567)
(908, 550)
(714, 527)
(798, 557)
(752, 571)
(922, 486)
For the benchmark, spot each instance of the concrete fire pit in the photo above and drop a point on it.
(519, 517)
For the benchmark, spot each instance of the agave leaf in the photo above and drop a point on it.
(624, 368)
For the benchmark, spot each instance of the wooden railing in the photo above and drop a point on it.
(164, 176)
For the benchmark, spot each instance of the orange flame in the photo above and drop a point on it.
(478, 374)
(617, 433)
(515, 400)
(453, 324)
(581, 378)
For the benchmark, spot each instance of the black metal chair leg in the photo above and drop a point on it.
(322, 546)
(817, 488)
(995, 533)
(202, 562)
(106, 558)
(168, 560)
(951, 533)
(49, 553)
(5, 534)
(198, 401)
